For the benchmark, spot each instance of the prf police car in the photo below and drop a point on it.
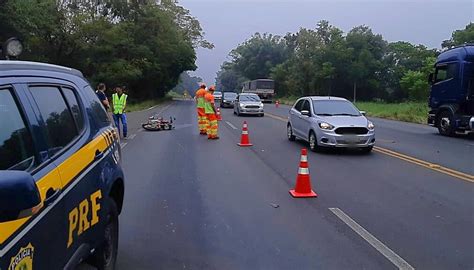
(61, 184)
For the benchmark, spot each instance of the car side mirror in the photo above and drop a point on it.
(19, 196)
(430, 78)
(305, 112)
(363, 113)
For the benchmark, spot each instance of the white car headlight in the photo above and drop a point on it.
(241, 105)
(370, 126)
(325, 126)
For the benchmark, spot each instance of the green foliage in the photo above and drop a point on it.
(324, 61)
(187, 83)
(460, 37)
(416, 82)
(140, 44)
(407, 111)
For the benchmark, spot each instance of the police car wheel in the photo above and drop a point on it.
(105, 256)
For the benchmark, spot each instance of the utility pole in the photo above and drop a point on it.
(355, 91)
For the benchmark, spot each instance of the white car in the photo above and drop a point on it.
(330, 122)
(217, 95)
(248, 104)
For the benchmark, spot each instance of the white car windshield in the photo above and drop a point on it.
(249, 98)
(334, 107)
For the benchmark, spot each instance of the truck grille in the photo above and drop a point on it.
(351, 130)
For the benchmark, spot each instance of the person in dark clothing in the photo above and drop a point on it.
(102, 97)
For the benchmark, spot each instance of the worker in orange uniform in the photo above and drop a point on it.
(200, 103)
(211, 111)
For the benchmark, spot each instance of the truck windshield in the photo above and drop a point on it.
(265, 84)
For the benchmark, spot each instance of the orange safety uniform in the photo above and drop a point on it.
(211, 116)
(202, 119)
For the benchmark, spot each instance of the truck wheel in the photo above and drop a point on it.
(105, 255)
(445, 123)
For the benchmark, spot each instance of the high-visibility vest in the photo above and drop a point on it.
(201, 102)
(209, 100)
(119, 103)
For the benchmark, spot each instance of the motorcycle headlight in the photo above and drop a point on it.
(370, 126)
(325, 126)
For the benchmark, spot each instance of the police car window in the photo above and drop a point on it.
(74, 106)
(16, 143)
(60, 127)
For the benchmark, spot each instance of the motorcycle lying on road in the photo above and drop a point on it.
(156, 123)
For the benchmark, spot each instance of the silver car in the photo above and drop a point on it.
(248, 104)
(330, 122)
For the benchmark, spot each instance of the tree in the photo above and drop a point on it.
(460, 37)
(416, 83)
(257, 56)
(367, 52)
(142, 44)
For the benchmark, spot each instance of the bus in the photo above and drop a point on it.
(264, 88)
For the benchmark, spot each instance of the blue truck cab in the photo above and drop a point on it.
(61, 182)
(451, 98)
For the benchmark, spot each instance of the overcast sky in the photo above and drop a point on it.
(228, 23)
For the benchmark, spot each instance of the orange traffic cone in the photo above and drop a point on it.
(219, 117)
(277, 103)
(303, 182)
(244, 139)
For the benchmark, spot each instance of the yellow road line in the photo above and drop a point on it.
(413, 160)
(426, 164)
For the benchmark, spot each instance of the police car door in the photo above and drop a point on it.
(32, 240)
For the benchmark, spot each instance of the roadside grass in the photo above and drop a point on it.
(414, 112)
(142, 105)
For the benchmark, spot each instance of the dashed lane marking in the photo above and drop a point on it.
(230, 124)
(132, 136)
(123, 144)
(372, 240)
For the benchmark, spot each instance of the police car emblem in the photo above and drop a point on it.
(24, 259)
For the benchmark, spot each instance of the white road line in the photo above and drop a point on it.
(230, 124)
(123, 144)
(374, 242)
(132, 136)
(151, 108)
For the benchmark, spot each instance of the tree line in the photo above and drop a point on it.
(143, 44)
(324, 61)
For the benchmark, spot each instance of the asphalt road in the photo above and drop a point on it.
(191, 203)
(419, 141)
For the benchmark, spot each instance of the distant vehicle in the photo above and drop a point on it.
(330, 122)
(61, 180)
(452, 91)
(217, 95)
(228, 100)
(264, 88)
(248, 104)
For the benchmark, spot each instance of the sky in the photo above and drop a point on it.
(227, 23)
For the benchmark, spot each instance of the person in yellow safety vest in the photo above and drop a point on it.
(210, 110)
(200, 103)
(119, 103)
